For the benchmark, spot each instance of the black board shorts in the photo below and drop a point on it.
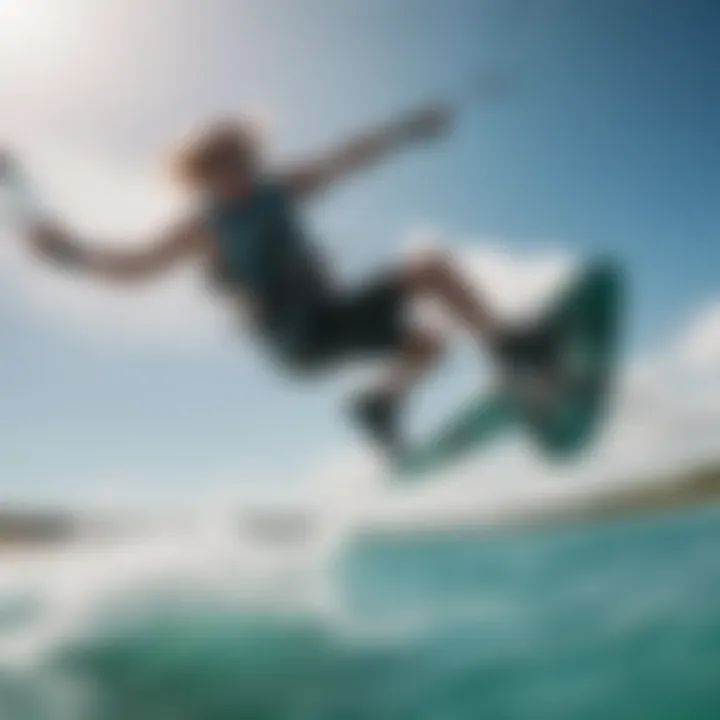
(365, 322)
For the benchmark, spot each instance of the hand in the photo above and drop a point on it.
(430, 122)
(53, 243)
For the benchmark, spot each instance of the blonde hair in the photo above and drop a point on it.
(230, 139)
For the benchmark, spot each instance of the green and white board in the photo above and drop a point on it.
(584, 322)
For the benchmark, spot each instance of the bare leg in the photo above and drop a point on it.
(419, 354)
(513, 349)
(378, 410)
(437, 277)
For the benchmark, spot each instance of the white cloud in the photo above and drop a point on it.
(675, 393)
(699, 346)
(517, 284)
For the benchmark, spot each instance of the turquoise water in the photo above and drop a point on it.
(616, 621)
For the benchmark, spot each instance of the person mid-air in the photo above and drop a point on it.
(247, 233)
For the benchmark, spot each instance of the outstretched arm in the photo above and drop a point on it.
(55, 243)
(369, 148)
(177, 244)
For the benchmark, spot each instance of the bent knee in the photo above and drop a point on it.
(429, 269)
(427, 344)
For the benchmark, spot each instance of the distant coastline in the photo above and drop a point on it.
(695, 487)
(21, 528)
(698, 486)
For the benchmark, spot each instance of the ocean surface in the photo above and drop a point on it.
(606, 622)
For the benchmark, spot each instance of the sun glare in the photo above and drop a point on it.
(22, 19)
(41, 39)
(29, 26)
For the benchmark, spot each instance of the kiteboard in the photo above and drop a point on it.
(560, 405)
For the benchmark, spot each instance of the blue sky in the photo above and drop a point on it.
(609, 144)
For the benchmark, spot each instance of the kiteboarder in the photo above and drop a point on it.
(246, 230)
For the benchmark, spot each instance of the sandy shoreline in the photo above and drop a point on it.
(23, 530)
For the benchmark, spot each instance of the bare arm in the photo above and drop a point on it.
(179, 243)
(369, 148)
(55, 243)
